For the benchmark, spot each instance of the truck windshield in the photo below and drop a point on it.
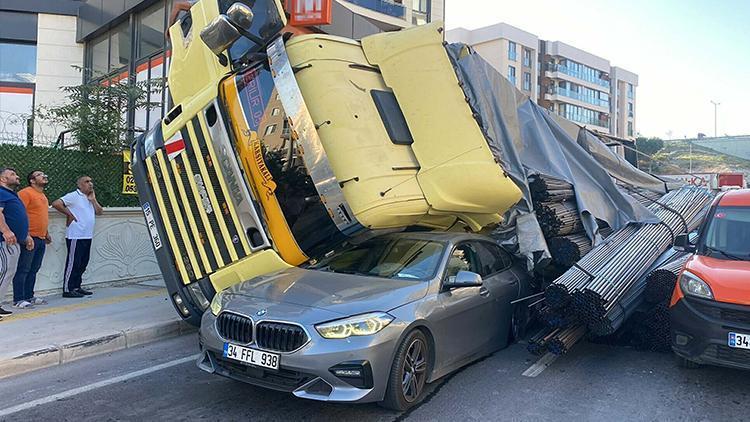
(386, 257)
(727, 234)
(305, 214)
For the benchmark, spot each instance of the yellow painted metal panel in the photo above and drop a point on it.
(178, 214)
(259, 263)
(458, 171)
(261, 180)
(162, 211)
(219, 215)
(220, 174)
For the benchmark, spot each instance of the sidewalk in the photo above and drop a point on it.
(64, 330)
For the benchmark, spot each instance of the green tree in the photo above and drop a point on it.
(649, 147)
(95, 113)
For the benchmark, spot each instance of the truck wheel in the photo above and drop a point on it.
(687, 363)
(408, 373)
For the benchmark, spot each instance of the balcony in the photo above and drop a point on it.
(386, 7)
(553, 67)
(580, 97)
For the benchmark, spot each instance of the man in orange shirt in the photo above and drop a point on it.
(29, 262)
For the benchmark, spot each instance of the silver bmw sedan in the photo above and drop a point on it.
(372, 321)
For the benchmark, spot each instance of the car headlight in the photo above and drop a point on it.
(217, 302)
(358, 325)
(692, 284)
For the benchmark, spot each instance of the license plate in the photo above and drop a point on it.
(251, 356)
(151, 224)
(739, 341)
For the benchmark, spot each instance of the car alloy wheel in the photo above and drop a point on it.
(414, 370)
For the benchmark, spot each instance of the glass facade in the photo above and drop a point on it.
(511, 51)
(580, 71)
(583, 115)
(582, 93)
(17, 62)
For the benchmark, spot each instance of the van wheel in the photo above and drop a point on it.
(408, 373)
(687, 363)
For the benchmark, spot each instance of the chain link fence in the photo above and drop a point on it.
(64, 166)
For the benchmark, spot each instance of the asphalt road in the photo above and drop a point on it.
(595, 382)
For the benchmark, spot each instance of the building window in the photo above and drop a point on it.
(119, 51)
(17, 62)
(584, 115)
(420, 12)
(270, 129)
(151, 30)
(275, 112)
(511, 50)
(630, 128)
(630, 90)
(527, 57)
(630, 109)
(99, 56)
(512, 74)
(527, 81)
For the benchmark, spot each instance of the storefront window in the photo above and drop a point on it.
(151, 30)
(17, 62)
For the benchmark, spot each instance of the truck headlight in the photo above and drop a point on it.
(217, 303)
(692, 284)
(358, 325)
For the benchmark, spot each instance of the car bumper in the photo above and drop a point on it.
(305, 372)
(700, 332)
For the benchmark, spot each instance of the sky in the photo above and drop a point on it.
(686, 53)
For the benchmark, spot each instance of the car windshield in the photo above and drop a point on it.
(727, 234)
(387, 257)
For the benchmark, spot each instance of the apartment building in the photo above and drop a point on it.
(578, 85)
(510, 50)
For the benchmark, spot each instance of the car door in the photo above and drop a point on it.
(466, 311)
(503, 286)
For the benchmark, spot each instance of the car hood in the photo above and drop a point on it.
(729, 279)
(302, 291)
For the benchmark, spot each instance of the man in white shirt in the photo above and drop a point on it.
(80, 208)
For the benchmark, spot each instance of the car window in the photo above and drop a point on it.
(463, 258)
(492, 258)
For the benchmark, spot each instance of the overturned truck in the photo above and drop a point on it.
(278, 148)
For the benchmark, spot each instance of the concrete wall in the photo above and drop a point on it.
(121, 250)
(56, 52)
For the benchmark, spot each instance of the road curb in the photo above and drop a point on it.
(56, 354)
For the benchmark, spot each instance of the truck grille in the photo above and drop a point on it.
(235, 327)
(203, 229)
(279, 337)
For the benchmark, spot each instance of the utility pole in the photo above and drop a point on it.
(716, 105)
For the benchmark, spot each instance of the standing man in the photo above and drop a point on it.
(79, 207)
(37, 209)
(14, 225)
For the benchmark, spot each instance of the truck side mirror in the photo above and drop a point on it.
(682, 243)
(241, 16)
(219, 35)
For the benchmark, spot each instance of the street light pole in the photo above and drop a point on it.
(716, 105)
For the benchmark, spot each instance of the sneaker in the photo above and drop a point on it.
(24, 304)
(72, 294)
(4, 312)
(84, 292)
(37, 301)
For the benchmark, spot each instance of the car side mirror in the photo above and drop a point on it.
(682, 243)
(219, 35)
(464, 279)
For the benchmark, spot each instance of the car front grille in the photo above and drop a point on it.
(727, 313)
(282, 380)
(279, 337)
(235, 327)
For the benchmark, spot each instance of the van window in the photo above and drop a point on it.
(727, 234)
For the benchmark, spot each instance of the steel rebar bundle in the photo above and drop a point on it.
(660, 283)
(602, 277)
(549, 189)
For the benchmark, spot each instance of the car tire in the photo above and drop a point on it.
(519, 320)
(399, 396)
(687, 363)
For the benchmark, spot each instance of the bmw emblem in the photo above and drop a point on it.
(261, 312)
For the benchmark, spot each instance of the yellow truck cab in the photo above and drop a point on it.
(278, 148)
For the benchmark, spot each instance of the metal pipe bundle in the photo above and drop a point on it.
(660, 283)
(564, 339)
(596, 284)
(558, 218)
(549, 189)
(567, 250)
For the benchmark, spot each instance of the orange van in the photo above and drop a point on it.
(710, 306)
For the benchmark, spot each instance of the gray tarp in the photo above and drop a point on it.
(527, 140)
